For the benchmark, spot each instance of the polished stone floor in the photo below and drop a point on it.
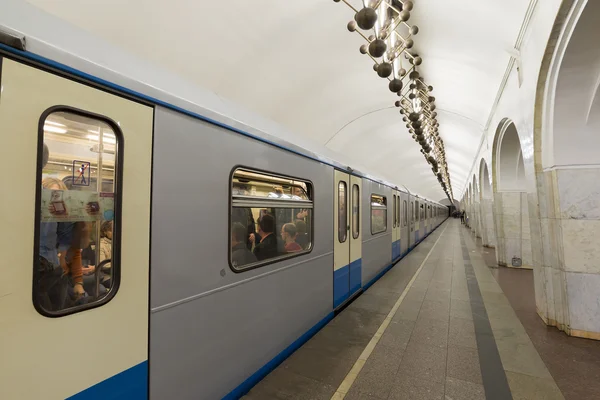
(449, 332)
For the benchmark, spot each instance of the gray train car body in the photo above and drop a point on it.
(376, 248)
(206, 320)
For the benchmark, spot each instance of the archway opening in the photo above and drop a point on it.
(488, 234)
(476, 225)
(510, 207)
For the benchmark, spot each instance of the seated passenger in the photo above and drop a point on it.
(240, 255)
(60, 267)
(288, 234)
(106, 232)
(302, 237)
(267, 247)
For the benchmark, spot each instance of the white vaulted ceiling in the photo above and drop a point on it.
(294, 62)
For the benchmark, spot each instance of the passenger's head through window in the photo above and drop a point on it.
(238, 234)
(266, 224)
(106, 230)
(300, 226)
(53, 184)
(288, 232)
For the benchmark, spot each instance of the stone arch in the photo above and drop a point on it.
(510, 198)
(566, 125)
(508, 159)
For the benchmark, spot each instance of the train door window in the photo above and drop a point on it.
(398, 211)
(355, 211)
(271, 218)
(76, 263)
(342, 213)
(394, 219)
(378, 214)
(404, 213)
(417, 216)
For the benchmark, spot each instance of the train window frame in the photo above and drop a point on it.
(345, 214)
(357, 231)
(371, 197)
(310, 194)
(405, 209)
(115, 260)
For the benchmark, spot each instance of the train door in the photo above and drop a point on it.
(418, 222)
(411, 222)
(427, 219)
(62, 335)
(395, 225)
(347, 237)
(404, 226)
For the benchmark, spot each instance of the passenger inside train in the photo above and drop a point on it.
(289, 234)
(76, 212)
(282, 209)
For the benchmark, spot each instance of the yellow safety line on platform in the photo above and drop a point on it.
(348, 381)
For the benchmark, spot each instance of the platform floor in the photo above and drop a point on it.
(444, 323)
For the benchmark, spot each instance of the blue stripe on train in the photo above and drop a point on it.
(346, 281)
(253, 379)
(131, 384)
(395, 250)
(341, 285)
(355, 275)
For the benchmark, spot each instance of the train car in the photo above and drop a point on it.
(157, 248)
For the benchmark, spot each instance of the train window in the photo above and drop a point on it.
(398, 211)
(404, 211)
(417, 215)
(76, 262)
(355, 211)
(429, 209)
(394, 219)
(378, 214)
(271, 218)
(342, 213)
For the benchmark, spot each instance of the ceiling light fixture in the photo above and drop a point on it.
(389, 39)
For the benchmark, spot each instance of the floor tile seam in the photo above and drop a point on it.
(351, 377)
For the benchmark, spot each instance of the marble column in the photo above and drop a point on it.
(488, 226)
(513, 233)
(576, 226)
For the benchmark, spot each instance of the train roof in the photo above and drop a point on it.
(52, 41)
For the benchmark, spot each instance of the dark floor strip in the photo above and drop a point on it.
(494, 379)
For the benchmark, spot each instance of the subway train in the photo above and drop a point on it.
(155, 248)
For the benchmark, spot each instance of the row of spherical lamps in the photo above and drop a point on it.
(388, 47)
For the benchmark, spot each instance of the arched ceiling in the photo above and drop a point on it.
(295, 62)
